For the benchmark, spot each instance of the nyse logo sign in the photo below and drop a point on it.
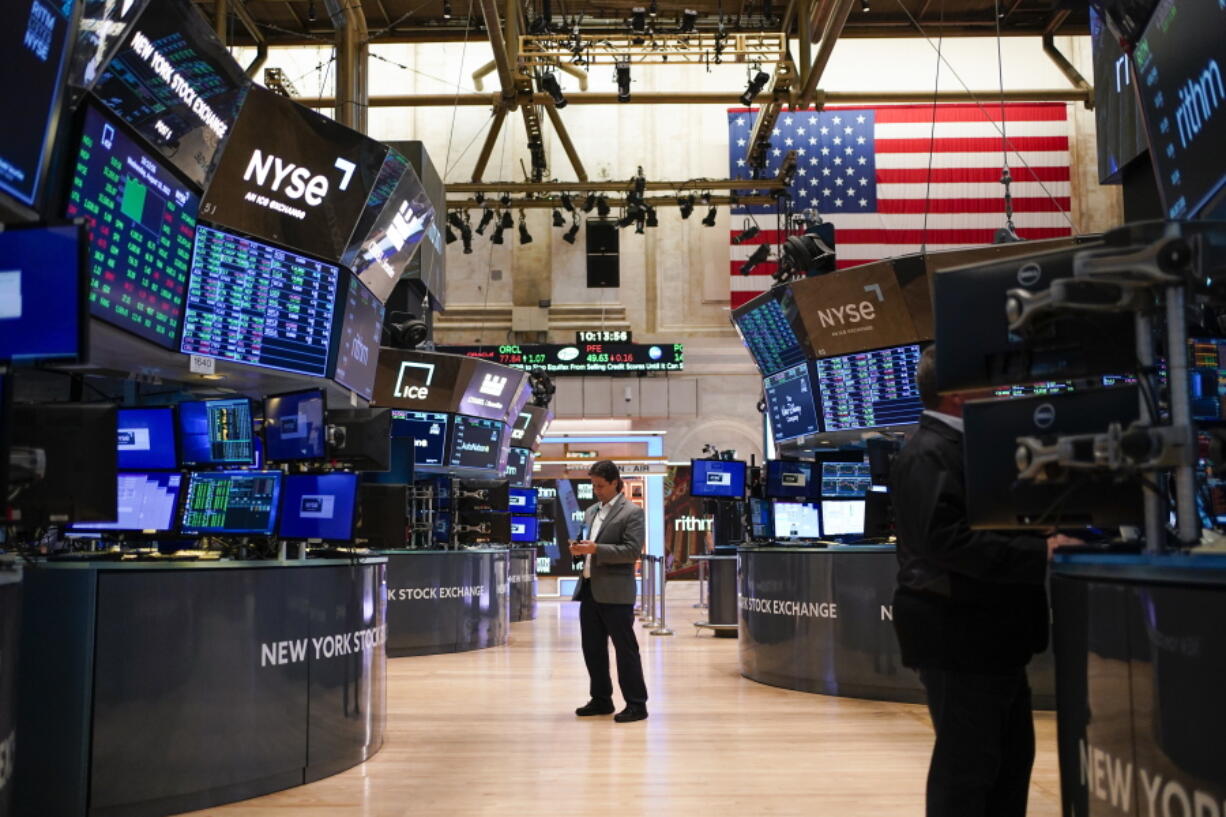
(302, 182)
(852, 312)
(407, 390)
(493, 385)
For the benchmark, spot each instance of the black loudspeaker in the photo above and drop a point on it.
(603, 269)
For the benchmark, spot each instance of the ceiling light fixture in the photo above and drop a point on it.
(623, 81)
(558, 221)
(688, 18)
(755, 87)
(759, 255)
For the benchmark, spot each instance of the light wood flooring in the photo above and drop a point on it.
(493, 732)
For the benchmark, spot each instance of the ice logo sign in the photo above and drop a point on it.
(409, 391)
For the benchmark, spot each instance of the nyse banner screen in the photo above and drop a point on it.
(583, 359)
(869, 389)
(361, 329)
(395, 236)
(33, 39)
(293, 176)
(176, 84)
(492, 392)
(394, 165)
(1181, 68)
(252, 303)
(793, 408)
(142, 222)
(769, 335)
(475, 442)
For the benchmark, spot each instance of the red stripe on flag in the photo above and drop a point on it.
(765, 268)
(1045, 112)
(992, 205)
(934, 236)
(739, 298)
(968, 175)
(957, 144)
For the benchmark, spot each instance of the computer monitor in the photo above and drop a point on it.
(357, 353)
(845, 480)
(401, 469)
(1207, 364)
(361, 438)
(996, 498)
(768, 326)
(842, 517)
(493, 528)
(294, 427)
(231, 502)
(216, 432)
(429, 432)
(791, 403)
(63, 463)
(796, 520)
(760, 520)
(881, 452)
(522, 500)
(519, 467)
(482, 495)
(476, 442)
(44, 293)
(319, 506)
(523, 529)
(383, 515)
(717, 479)
(146, 502)
(790, 479)
(874, 389)
(147, 439)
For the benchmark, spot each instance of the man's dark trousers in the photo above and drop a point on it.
(598, 623)
(984, 743)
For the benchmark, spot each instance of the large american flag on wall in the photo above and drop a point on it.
(866, 170)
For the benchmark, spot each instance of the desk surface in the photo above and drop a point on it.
(203, 564)
(826, 549)
(1168, 568)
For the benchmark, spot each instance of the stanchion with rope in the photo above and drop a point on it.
(662, 621)
(702, 585)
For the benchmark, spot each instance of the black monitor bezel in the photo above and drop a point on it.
(83, 289)
(353, 521)
(229, 465)
(323, 394)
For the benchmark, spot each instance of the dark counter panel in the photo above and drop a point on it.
(446, 601)
(523, 584)
(10, 629)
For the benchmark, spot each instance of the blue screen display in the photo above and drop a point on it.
(790, 400)
(523, 500)
(319, 506)
(519, 467)
(145, 502)
(428, 430)
(216, 432)
(476, 442)
(294, 426)
(719, 479)
(787, 479)
(41, 298)
(147, 439)
(231, 502)
(523, 529)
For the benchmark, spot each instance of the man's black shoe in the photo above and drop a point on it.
(631, 713)
(595, 707)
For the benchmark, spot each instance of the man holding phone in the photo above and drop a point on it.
(606, 596)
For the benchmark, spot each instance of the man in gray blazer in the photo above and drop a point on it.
(606, 596)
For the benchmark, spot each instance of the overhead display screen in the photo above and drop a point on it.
(519, 467)
(1181, 67)
(293, 176)
(1121, 133)
(43, 291)
(792, 405)
(394, 164)
(173, 81)
(769, 334)
(492, 392)
(253, 303)
(475, 442)
(529, 426)
(395, 236)
(142, 222)
(428, 430)
(869, 389)
(294, 426)
(34, 38)
(102, 27)
(358, 349)
(582, 359)
(419, 381)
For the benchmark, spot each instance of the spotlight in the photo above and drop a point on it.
(709, 219)
(567, 204)
(602, 206)
(466, 236)
(569, 235)
(627, 219)
(496, 238)
(623, 81)
(639, 186)
(480, 197)
(446, 10)
(505, 198)
(749, 232)
(864, 6)
(759, 255)
(687, 205)
(638, 228)
(524, 236)
(451, 238)
(589, 202)
(486, 218)
(755, 87)
(507, 221)
(558, 221)
(311, 11)
(453, 218)
(688, 18)
(549, 84)
(638, 18)
(652, 221)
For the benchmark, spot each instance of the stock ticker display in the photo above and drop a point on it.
(580, 359)
(141, 221)
(231, 502)
(869, 389)
(770, 337)
(845, 479)
(253, 303)
(216, 432)
(790, 400)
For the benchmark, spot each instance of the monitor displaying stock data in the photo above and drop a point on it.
(238, 502)
(791, 403)
(147, 439)
(142, 224)
(796, 520)
(254, 303)
(769, 334)
(475, 442)
(319, 506)
(357, 351)
(428, 430)
(842, 517)
(869, 389)
(146, 502)
(216, 432)
(846, 479)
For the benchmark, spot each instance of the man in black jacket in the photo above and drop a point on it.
(970, 610)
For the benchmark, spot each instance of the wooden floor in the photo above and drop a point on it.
(493, 733)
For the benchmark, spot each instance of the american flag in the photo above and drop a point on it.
(866, 170)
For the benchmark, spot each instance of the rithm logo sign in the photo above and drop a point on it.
(410, 391)
(303, 183)
(493, 385)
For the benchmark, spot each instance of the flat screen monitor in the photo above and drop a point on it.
(44, 291)
(842, 517)
(767, 326)
(524, 529)
(147, 502)
(35, 39)
(529, 426)
(519, 467)
(791, 403)
(996, 498)
(383, 515)
(846, 480)
(482, 495)
(1181, 72)
(319, 506)
(396, 235)
(147, 439)
(401, 469)
(796, 520)
(522, 501)
(294, 426)
(77, 479)
(1208, 377)
(216, 432)
(362, 438)
(357, 353)
(717, 479)
(869, 389)
(475, 442)
(254, 303)
(235, 502)
(760, 522)
(429, 432)
(293, 176)
(173, 81)
(1120, 130)
(977, 350)
(790, 479)
(142, 226)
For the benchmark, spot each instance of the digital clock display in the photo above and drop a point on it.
(582, 358)
(603, 336)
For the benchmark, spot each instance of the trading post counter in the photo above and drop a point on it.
(820, 619)
(441, 601)
(10, 622)
(523, 584)
(156, 688)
